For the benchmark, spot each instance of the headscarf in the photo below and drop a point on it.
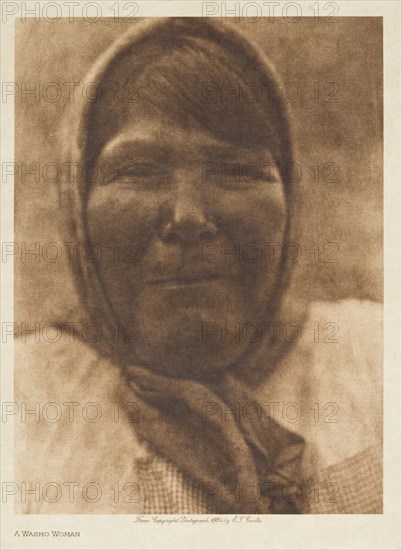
(218, 455)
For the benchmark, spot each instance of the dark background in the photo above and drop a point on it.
(348, 132)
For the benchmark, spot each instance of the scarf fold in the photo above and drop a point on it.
(240, 466)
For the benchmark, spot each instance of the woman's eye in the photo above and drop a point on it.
(244, 176)
(259, 172)
(138, 174)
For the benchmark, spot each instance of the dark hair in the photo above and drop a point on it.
(171, 79)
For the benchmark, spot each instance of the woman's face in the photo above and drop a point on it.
(186, 225)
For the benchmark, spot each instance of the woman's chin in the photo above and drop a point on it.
(190, 344)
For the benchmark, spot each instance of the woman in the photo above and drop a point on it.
(177, 177)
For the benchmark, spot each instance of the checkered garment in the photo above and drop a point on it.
(351, 487)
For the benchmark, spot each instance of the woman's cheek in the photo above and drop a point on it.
(252, 216)
(119, 218)
(121, 224)
(254, 226)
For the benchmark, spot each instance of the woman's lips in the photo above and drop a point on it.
(185, 280)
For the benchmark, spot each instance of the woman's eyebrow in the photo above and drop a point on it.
(212, 146)
(142, 145)
(161, 150)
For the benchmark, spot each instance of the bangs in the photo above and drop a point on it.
(194, 84)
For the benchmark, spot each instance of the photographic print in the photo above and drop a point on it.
(198, 264)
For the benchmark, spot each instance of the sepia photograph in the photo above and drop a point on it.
(198, 267)
(182, 211)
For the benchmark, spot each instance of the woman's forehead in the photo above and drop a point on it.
(147, 131)
(178, 120)
(163, 141)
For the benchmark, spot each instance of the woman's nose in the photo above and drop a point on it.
(188, 220)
